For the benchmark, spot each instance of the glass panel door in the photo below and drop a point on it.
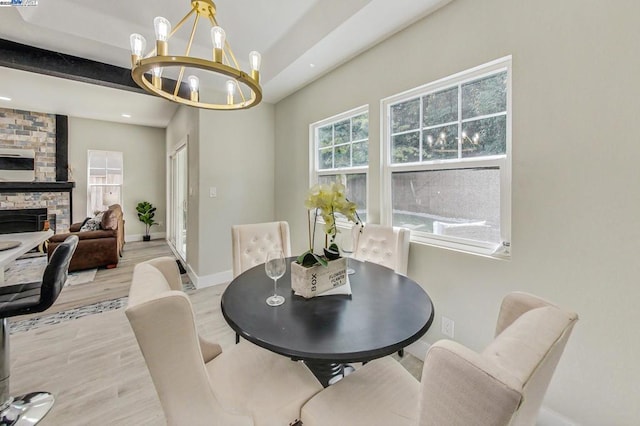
(178, 227)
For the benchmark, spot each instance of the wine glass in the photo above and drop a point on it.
(275, 267)
(347, 250)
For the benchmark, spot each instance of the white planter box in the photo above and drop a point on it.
(310, 282)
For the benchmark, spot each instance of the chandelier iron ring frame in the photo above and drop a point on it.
(146, 65)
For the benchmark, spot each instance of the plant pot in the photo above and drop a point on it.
(146, 238)
(312, 281)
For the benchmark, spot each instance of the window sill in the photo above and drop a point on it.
(465, 246)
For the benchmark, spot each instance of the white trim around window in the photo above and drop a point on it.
(446, 157)
(358, 164)
(105, 179)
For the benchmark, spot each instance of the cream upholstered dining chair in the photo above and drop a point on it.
(197, 382)
(385, 245)
(502, 385)
(250, 243)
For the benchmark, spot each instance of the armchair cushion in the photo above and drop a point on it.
(75, 227)
(109, 219)
(87, 235)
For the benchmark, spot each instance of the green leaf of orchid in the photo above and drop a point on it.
(321, 260)
(333, 252)
(308, 259)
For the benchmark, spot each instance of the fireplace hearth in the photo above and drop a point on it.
(22, 220)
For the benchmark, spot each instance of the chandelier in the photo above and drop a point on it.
(242, 90)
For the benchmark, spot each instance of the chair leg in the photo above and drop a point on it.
(26, 409)
(401, 353)
(5, 396)
(237, 338)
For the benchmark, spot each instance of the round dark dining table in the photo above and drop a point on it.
(385, 312)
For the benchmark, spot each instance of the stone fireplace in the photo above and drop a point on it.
(46, 136)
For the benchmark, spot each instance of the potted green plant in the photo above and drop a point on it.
(146, 212)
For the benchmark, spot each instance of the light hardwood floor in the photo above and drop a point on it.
(109, 283)
(93, 365)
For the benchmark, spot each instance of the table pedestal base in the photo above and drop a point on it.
(329, 373)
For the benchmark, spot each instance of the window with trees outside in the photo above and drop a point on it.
(104, 180)
(339, 148)
(447, 160)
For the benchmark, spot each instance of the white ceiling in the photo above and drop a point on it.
(290, 34)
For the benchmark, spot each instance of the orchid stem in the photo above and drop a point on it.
(309, 230)
(313, 240)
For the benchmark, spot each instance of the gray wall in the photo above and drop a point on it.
(144, 167)
(236, 157)
(575, 205)
(233, 152)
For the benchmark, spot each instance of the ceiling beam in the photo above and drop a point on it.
(56, 64)
(33, 59)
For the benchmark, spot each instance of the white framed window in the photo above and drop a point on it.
(339, 148)
(104, 180)
(447, 160)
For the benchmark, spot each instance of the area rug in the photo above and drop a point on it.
(18, 326)
(31, 270)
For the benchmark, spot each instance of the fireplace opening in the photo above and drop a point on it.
(22, 220)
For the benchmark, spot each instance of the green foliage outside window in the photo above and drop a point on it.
(466, 120)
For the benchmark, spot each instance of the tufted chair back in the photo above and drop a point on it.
(250, 243)
(385, 245)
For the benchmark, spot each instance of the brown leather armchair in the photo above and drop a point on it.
(96, 248)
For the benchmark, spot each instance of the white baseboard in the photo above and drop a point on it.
(546, 416)
(418, 349)
(209, 280)
(138, 237)
(204, 281)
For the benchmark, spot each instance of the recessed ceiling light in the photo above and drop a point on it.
(4, 98)
(312, 65)
(126, 115)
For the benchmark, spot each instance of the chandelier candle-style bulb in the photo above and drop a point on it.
(138, 45)
(231, 89)
(157, 77)
(194, 83)
(162, 27)
(150, 63)
(254, 61)
(218, 37)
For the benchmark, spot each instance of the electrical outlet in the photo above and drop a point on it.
(448, 327)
